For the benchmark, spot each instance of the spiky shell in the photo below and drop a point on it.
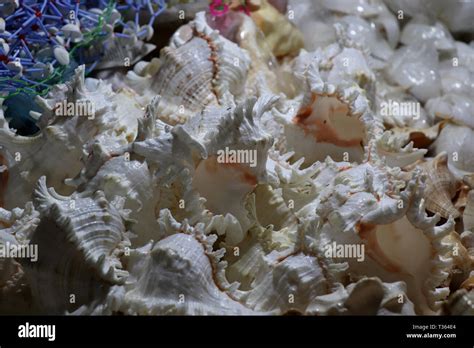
(57, 151)
(327, 120)
(367, 205)
(203, 144)
(175, 276)
(87, 234)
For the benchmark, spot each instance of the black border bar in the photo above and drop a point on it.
(214, 330)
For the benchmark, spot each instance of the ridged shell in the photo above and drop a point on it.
(87, 234)
(56, 151)
(327, 120)
(365, 205)
(198, 69)
(129, 179)
(175, 276)
(201, 145)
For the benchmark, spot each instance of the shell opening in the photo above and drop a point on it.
(390, 245)
(330, 123)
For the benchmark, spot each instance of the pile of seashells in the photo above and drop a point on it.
(315, 157)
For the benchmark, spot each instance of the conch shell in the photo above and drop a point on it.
(368, 205)
(198, 69)
(175, 276)
(225, 146)
(326, 119)
(89, 235)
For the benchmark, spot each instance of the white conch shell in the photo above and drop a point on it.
(290, 285)
(329, 120)
(123, 177)
(199, 68)
(175, 276)
(366, 205)
(202, 146)
(88, 234)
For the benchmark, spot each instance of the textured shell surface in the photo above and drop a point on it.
(332, 119)
(205, 145)
(377, 210)
(177, 267)
(441, 186)
(199, 68)
(64, 140)
(87, 234)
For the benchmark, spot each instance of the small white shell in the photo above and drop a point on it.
(61, 55)
(458, 142)
(415, 67)
(415, 32)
